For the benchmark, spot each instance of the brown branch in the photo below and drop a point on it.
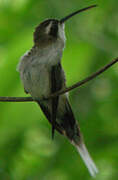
(89, 78)
(15, 99)
(78, 84)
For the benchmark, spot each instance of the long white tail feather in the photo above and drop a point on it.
(87, 159)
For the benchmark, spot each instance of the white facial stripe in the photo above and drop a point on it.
(48, 28)
(61, 32)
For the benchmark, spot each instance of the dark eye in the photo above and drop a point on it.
(54, 29)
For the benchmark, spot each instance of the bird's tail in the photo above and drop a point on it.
(82, 150)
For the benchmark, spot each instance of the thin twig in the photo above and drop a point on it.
(16, 99)
(84, 81)
(78, 84)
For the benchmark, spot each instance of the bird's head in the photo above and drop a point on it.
(52, 30)
(48, 32)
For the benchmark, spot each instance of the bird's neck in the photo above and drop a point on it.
(50, 54)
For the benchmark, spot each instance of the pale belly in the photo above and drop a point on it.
(37, 80)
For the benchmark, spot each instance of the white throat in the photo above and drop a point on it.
(61, 32)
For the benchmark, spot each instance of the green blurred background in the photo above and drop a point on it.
(26, 149)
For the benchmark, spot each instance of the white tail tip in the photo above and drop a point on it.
(87, 159)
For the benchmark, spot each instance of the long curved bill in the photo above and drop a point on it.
(76, 12)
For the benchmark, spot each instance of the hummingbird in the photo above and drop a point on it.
(42, 74)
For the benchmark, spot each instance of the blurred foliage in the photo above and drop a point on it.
(26, 149)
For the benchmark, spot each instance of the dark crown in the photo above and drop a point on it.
(40, 31)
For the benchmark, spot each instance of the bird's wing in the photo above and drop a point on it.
(48, 116)
(56, 85)
(57, 82)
